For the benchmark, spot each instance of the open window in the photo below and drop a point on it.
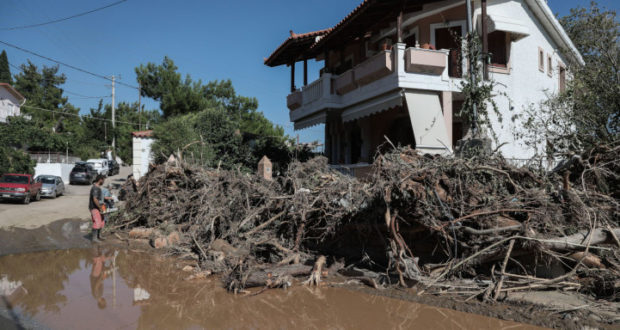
(498, 48)
(549, 65)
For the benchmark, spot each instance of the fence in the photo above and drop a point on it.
(53, 157)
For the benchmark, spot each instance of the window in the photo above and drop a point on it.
(498, 48)
(541, 59)
(549, 66)
(562, 77)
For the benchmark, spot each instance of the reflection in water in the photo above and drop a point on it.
(136, 290)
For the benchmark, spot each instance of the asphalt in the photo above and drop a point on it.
(72, 205)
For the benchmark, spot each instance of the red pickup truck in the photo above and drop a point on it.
(20, 187)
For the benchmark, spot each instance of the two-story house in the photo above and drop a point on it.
(10, 102)
(393, 68)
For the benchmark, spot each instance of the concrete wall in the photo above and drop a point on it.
(9, 105)
(141, 156)
(58, 169)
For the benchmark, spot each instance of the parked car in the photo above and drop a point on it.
(20, 187)
(115, 168)
(100, 165)
(52, 186)
(82, 172)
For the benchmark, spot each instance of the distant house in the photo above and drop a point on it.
(10, 102)
(142, 141)
(393, 68)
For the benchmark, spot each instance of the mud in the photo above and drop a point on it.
(61, 234)
(116, 288)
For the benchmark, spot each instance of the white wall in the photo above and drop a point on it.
(9, 105)
(58, 169)
(525, 85)
(141, 156)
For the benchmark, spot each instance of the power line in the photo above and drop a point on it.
(86, 97)
(65, 64)
(77, 115)
(62, 19)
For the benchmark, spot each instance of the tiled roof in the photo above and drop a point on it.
(13, 91)
(142, 134)
(295, 43)
(362, 6)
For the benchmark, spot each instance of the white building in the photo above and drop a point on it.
(142, 157)
(394, 68)
(10, 102)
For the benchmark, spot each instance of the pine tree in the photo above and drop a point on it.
(5, 71)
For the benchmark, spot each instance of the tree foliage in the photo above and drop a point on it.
(595, 87)
(208, 138)
(587, 113)
(212, 117)
(5, 70)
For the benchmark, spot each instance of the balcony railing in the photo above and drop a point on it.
(425, 61)
(312, 92)
(294, 100)
(345, 82)
(374, 68)
(399, 68)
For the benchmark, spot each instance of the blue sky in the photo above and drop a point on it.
(207, 39)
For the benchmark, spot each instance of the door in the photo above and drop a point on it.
(450, 38)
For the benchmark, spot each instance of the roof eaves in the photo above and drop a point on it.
(13, 91)
(294, 37)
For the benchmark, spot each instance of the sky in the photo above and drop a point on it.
(209, 40)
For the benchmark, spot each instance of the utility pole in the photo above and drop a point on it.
(139, 107)
(113, 121)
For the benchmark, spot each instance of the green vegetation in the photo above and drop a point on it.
(5, 71)
(587, 113)
(208, 124)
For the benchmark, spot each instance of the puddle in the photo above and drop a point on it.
(120, 289)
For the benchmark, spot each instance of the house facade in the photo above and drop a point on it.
(10, 102)
(393, 69)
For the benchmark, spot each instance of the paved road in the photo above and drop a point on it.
(72, 205)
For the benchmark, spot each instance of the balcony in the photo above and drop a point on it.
(345, 82)
(386, 72)
(294, 100)
(374, 68)
(425, 61)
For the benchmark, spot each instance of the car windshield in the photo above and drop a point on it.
(14, 179)
(47, 180)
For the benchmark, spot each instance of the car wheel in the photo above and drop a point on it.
(38, 196)
(55, 194)
(26, 199)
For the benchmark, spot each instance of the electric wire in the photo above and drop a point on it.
(62, 19)
(78, 115)
(67, 65)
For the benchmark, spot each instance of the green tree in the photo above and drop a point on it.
(594, 89)
(208, 138)
(5, 71)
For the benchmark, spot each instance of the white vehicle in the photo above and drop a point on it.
(100, 165)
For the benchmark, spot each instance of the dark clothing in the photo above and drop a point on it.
(95, 192)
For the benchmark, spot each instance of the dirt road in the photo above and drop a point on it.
(73, 205)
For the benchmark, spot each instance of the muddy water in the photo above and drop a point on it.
(119, 289)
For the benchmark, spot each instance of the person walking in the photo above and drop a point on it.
(96, 208)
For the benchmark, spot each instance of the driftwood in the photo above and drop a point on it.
(418, 219)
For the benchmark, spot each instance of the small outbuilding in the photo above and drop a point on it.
(142, 157)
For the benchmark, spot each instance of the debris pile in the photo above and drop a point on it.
(479, 226)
